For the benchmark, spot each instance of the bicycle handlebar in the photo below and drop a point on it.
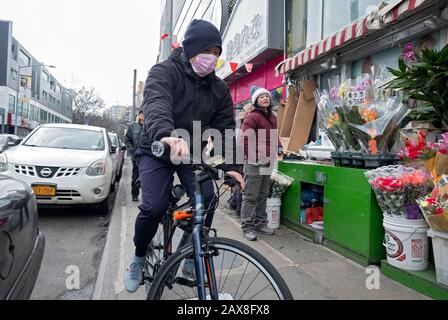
(162, 150)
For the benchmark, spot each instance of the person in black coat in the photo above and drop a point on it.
(132, 140)
(178, 92)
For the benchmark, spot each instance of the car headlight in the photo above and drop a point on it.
(98, 168)
(3, 162)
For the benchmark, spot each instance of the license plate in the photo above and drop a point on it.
(44, 190)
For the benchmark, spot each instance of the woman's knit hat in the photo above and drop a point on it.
(256, 92)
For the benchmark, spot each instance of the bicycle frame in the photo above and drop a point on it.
(197, 244)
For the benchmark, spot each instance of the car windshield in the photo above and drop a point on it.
(67, 138)
(113, 140)
(2, 140)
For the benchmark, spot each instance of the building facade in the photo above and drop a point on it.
(183, 12)
(41, 98)
(253, 41)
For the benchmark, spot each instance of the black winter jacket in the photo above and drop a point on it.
(174, 97)
(132, 138)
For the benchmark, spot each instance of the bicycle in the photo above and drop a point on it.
(244, 273)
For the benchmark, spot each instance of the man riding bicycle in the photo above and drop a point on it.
(178, 92)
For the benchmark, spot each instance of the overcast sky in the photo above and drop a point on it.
(95, 43)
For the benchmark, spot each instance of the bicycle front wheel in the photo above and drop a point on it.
(241, 273)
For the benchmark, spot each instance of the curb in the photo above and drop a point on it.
(101, 275)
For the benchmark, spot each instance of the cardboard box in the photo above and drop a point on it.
(290, 111)
(308, 88)
(280, 114)
(303, 121)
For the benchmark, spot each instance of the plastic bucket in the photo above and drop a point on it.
(273, 207)
(406, 243)
(440, 249)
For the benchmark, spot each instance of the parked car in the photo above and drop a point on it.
(118, 157)
(22, 245)
(65, 165)
(8, 140)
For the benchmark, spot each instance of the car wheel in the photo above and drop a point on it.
(104, 207)
(112, 186)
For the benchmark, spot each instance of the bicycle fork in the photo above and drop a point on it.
(203, 260)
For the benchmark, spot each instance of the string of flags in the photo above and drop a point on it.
(233, 65)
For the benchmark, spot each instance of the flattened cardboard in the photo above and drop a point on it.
(308, 88)
(290, 111)
(303, 122)
(280, 114)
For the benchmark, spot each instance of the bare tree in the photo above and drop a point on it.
(86, 103)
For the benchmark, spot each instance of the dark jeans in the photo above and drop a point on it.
(135, 188)
(155, 179)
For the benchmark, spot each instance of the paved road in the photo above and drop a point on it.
(75, 239)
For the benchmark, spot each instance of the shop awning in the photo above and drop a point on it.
(356, 30)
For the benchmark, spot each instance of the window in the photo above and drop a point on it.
(59, 88)
(20, 109)
(36, 114)
(323, 19)
(31, 112)
(339, 13)
(44, 95)
(43, 116)
(14, 52)
(25, 110)
(13, 74)
(45, 77)
(77, 139)
(24, 60)
(11, 104)
(296, 27)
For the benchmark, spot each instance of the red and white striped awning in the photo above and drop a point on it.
(350, 33)
(401, 9)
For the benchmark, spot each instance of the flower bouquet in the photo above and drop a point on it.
(389, 189)
(435, 211)
(397, 189)
(279, 184)
(416, 185)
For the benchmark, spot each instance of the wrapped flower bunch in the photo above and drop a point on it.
(397, 189)
(435, 211)
(279, 184)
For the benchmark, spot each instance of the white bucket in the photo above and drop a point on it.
(440, 249)
(273, 207)
(406, 243)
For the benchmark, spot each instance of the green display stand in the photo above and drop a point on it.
(353, 222)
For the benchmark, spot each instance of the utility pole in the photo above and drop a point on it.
(168, 29)
(134, 97)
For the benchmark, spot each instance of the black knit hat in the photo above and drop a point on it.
(200, 36)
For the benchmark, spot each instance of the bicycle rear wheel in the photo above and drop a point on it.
(241, 273)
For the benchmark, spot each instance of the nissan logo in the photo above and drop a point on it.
(46, 172)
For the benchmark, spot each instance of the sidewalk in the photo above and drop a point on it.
(311, 271)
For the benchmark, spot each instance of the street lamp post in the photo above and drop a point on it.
(16, 107)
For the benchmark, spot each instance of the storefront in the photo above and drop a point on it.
(252, 49)
(354, 56)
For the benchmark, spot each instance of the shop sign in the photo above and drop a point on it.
(246, 35)
(356, 98)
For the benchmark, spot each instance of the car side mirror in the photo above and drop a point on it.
(123, 148)
(113, 150)
(11, 144)
(18, 141)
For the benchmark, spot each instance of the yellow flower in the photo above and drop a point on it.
(424, 204)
